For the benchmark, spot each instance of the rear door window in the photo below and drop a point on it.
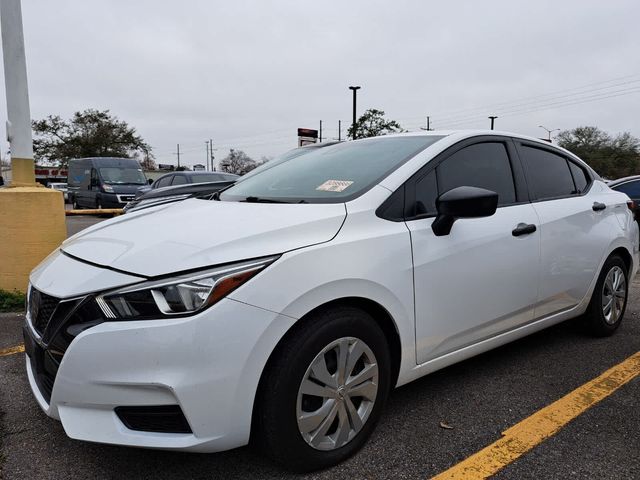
(548, 174)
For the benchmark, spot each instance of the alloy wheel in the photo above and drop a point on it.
(337, 394)
(614, 295)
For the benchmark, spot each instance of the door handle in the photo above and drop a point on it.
(523, 229)
(597, 206)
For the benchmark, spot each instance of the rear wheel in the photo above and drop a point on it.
(324, 391)
(609, 300)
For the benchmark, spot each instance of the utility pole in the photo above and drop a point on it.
(211, 156)
(207, 157)
(353, 124)
(178, 153)
(492, 118)
(428, 126)
(339, 130)
(320, 131)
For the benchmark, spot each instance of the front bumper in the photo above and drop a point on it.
(209, 364)
(116, 200)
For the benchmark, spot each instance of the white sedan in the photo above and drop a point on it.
(288, 306)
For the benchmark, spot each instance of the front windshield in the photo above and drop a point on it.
(333, 174)
(296, 152)
(120, 176)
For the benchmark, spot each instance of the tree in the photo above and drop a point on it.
(147, 162)
(372, 123)
(611, 157)
(237, 162)
(91, 133)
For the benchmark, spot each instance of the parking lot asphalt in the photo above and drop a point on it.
(80, 222)
(479, 398)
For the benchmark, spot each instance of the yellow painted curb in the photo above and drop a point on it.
(95, 211)
(11, 350)
(533, 430)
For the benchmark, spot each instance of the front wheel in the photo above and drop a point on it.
(609, 300)
(324, 391)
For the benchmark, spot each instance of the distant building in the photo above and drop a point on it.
(198, 167)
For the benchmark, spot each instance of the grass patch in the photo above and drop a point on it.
(11, 301)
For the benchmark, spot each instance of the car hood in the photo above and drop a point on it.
(200, 233)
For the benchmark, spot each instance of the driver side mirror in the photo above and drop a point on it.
(462, 202)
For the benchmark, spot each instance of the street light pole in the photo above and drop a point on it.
(549, 132)
(492, 118)
(353, 124)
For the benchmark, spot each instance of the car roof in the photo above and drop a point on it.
(458, 135)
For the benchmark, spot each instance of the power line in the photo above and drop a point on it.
(530, 99)
(518, 104)
(586, 93)
(546, 106)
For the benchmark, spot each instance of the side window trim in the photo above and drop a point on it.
(519, 143)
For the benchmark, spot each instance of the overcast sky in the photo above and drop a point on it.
(247, 74)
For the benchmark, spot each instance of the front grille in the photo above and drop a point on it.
(43, 365)
(41, 308)
(57, 323)
(158, 418)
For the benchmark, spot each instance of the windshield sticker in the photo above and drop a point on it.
(334, 185)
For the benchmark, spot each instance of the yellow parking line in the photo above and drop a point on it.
(11, 350)
(531, 431)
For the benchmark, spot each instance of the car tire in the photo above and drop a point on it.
(609, 299)
(99, 204)
(74, 204)
(296, 442)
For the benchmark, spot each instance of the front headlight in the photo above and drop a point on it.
(183, 295)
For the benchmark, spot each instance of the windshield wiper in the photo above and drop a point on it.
(251, 199)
